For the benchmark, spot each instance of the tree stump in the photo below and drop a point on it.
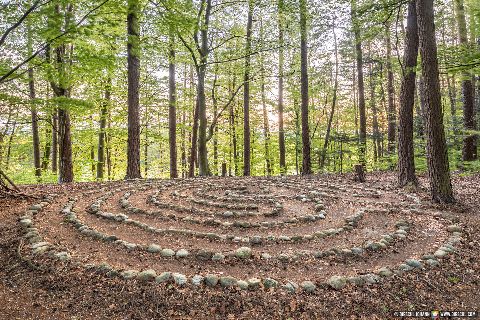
(359, 173)
(224, 169)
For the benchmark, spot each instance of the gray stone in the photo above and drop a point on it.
(254, 283)
(357, 281)
(227, 281)
(372, 246)
(129, 274)
(265, 256)
(153, 248)
(256, 240)
(26, 222)
(39, 244)
(283, 257)
(211, 280)
(405, 267)
(62, 256)
(284, 238)
(130, 246)
(243, 253)
(228, 214)
(182, 253)
(446, 249)
(218, 257)
(40, 249)
(384, 272)
(204, 255)
(290, 287)
(197, 280)
(432, 262)
(308, 286)
(428, 257)
(371, 278)
(179, 279)
(357, 251)
(242, 284)
(454, 228)
(36, 207)
(414, 263)
(163, 277)
(167, 253)
(146, 275)
(270, 283)
(337, 282)
(440, 254)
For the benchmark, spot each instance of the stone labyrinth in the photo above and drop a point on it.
(294, 234)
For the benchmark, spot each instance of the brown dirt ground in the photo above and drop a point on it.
(65, 291)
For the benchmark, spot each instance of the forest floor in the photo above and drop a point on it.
(287, 223)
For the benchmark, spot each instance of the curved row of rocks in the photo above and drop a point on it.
(338, 282)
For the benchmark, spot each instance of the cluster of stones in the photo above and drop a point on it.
(350, 223)
(38, 245)
(338, 282)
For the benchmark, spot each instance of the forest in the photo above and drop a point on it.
(197, 88)
(239, 159)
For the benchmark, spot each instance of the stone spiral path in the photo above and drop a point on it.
(293, 234)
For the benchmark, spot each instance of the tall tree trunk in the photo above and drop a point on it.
(108, 149)
(406, 156)
(101, 133)
(215, 130)
(469, 152)
(65, 147)
(334, 100)
(55, 140)
(297, 135)
(133, 60)
(202, 106)
(47, 148)
(437, 157)
(391, 115)
(246, 94)
(281, 60)
(65, 163)
(184, 123)
(306, 162)
(172, 109)
(361, 85)
(266, 132)
(373, 107)
(194, 134)
(34, 116)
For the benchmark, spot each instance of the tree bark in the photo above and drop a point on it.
(61, 89)
(33, 110)
(55, 141)
(306, 162)
(334, 100)
(202, 107)
(172, 109)
(101, 133)
(133, 60)
(391, 115)
(469, 152)
(246, 94)
(281, 61)
(361, 85)
(406, 156)
(437, 156)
